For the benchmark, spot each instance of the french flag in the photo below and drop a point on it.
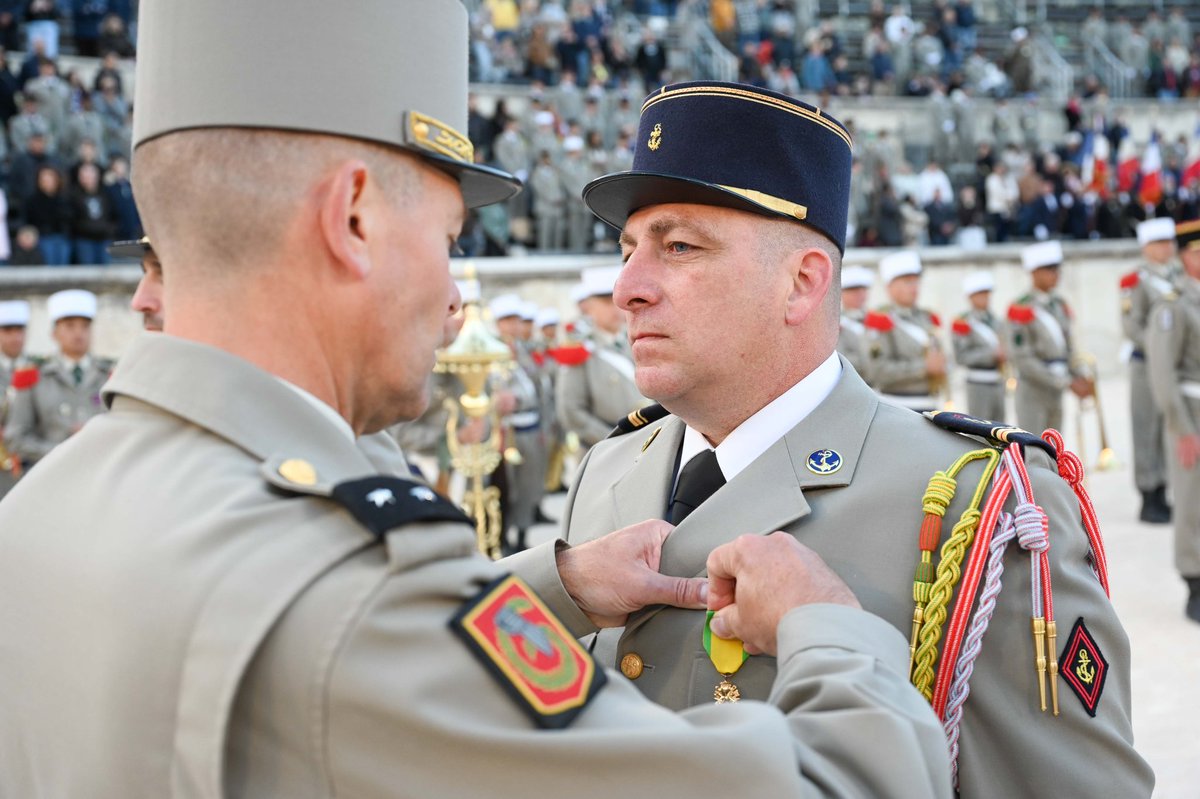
(1150, 191)
(1191, 172)
(1094, 169)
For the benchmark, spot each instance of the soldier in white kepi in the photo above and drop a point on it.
(978, 337)
(852, 340)
(1150, 283)
(242, 598)
(14, 319)
(908, 364)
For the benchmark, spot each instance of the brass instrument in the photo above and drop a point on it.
(1107, 459)
(473, 356)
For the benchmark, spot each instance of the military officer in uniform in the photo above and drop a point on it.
(147, 298)
(596, 390)
(908, 365)
(1039, 326)
(520, 396)
(1141, 290)
(770, 430)
(14, 319)
(978, 336)
(236, 597)
(47, 410)
(1172, 342)
(852, 338)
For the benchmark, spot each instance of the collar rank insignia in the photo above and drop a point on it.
(824, 461)
(529, 652)
(1084, 667)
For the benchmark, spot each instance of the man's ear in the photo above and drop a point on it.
(343, 213)
(811, 272)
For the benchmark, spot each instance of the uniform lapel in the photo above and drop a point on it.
(644, 491)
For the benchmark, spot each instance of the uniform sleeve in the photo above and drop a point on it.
(1029, 366)
(410, 710)
(1165, 337)
(21, 433)
(574, 402)
(887, 366)
(1003, 724)
(1135, 315)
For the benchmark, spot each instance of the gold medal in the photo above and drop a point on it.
(727, 656)
(726, 691)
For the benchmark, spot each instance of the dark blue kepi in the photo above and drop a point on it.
(735, 146)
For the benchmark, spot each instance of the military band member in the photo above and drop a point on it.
(147, 298)
(769, 430)
(544, 348)
(1172, 341)
(596, 390)
(1141, 289)
(908, 365)
(14, 319)
(237, 598)
(65, 392)
(852, 338)
(1039, 326)
(978, 337)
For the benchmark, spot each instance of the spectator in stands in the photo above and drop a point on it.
(575, 173)
(120, 196)
(41, 25)
(27, 124)
(93, 218)
(8, 91)
(722, 17)
(114, 111)
(10, 18)
(549, 204)
(651, 61)
(49, 210)
(86, 154)
(816, 74)
(900, 30)
(1094, 28)
(782, 28)
(53, 95)
(914, 223)
(504, 17)
(88, 16)
(749, 23)
(25, 249)
(1000, 200)
(932, 180)
(110, 69)
(940, 219)
(1018, 62)
(540, 56)
(114, 38)
(23, 174)
(1177, 26)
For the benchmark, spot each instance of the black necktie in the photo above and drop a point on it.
(77, 373)
(697, 482)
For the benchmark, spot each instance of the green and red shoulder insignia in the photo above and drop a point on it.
(529, 652)
(1020, 314)
(1130, 281)
(878, 321)
(961, 327)
(26, 378)
(1084, 667)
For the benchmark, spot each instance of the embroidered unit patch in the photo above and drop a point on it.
(1084, 667)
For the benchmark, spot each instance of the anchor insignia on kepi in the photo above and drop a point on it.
(655, 138)
(824, 461)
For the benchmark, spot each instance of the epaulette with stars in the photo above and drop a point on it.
(638, 419)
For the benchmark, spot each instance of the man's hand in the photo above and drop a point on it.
(754, 580)
(613, 576)
(1187, 449)
(935, 363)
(1083, 387)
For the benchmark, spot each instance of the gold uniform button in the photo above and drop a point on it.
(631, 665)
(298, 471)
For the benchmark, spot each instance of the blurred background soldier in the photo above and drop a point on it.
(1153, 279)
(14, 318)
(576, 172)
(908, 365)
(1173, 358)
(977, 337)
(852, 340)
(549, 204)
(520, 404)
(65, 392)
(1041, 351)
(544, 351)
(596, 390)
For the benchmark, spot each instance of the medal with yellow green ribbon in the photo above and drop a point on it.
(727, 655)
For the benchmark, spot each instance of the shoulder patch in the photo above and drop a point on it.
(997, 433)
(934, 319)
(1020, 314)
(876, 320)
(1084, 667)
(539, 357)
(1129, 281)
(638, 419)
(570, 355)
(381, 503)
(961, 327)
(25, 378)
(529, 652)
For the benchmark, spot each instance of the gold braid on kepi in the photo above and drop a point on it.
(998, 434)
(639, 418)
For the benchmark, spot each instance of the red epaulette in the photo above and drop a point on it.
(961, 327)
(935, 319)
(882, 322)
(1020, 314)
(25, 378)
(570, 355)
(538, 357)
(1129, 281)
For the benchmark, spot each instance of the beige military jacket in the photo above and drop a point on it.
(1039, 326)
(977, 337)
(593, 396)
(10, 466)
(899, 339)
(1141, 290)
(852, 342)
(1173, 358)
(45, 415)
(863, 519)
(204, 620)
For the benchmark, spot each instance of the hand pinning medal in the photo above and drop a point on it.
(727, 655)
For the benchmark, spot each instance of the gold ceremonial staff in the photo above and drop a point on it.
(473, 356)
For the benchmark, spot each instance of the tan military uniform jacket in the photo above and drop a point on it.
(1141, 290)
(1040, 332)
(863, 519)
(978, 337)
(595, 395)
(899, 340)
(44, 416)
(852, 343)
(200, 626)
(9, 464)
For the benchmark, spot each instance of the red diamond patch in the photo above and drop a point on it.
(1084, 667)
